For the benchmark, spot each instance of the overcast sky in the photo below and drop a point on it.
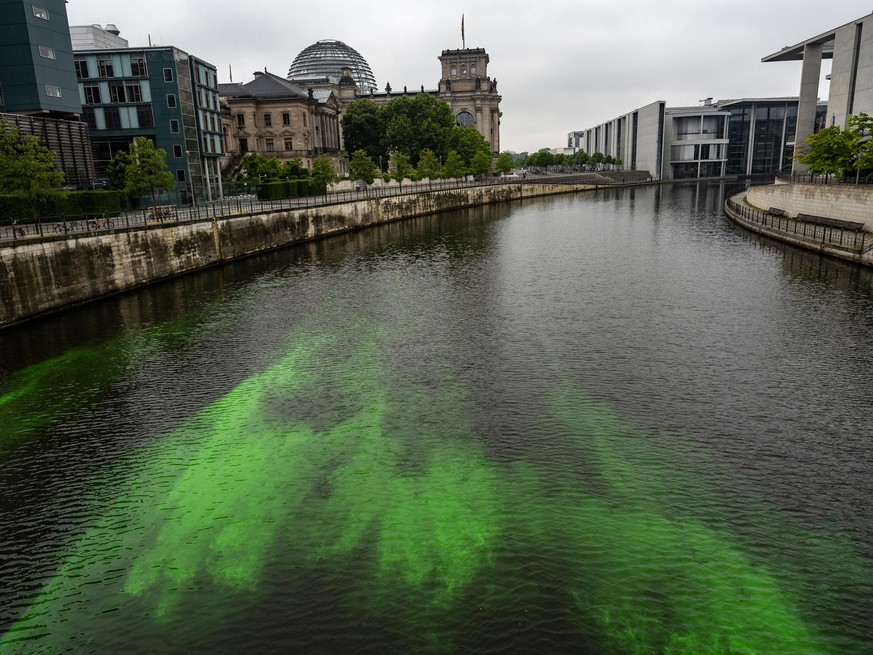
(561, 65)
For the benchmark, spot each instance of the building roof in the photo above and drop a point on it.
(795, 52)
(327, 58)
(265, 85)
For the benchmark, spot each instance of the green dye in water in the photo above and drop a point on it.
(419, 518)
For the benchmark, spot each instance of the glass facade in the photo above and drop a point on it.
(761, 136)
(326, 59)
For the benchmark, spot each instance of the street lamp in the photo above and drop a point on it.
(861, 143)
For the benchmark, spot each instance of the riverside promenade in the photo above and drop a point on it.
(52, 269)
(835, 220)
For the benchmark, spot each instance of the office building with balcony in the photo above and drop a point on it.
(158, 92)
(742, 137)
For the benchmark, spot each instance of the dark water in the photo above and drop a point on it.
(606, 423)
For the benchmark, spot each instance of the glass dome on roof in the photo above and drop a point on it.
(326, 58)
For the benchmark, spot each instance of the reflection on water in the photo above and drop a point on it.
(486, 431)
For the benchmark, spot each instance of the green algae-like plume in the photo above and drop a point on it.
(203, 517)
(653, 579)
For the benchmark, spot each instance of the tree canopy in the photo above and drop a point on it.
(362, 167)
(410, 125)
(146, 171)
(323, 172)
(827, 152)
(27, 168)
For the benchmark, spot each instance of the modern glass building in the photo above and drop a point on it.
(36, 60)
(748, 136)
(161, 93)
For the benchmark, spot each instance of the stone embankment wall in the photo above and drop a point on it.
(845, 202)
(45, 276)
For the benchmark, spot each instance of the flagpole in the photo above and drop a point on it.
(463, 41)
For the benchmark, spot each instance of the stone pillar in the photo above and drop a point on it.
(806, 105)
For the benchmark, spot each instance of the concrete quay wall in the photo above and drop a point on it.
(45, 276)
(844, 202)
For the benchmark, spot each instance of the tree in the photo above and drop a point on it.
(467, 141)
(116, 171)
(428, 165)
(323, 173)
(399, 167)
(481, 163)
(504, 162)
(147, 171)
(827, 152)
(454, 166)
(363, 128)
(27, 169)
(362, 167)
(860, 126)
(413, 125)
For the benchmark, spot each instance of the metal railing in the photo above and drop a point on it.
(854, 241)
(19, 231)
(824, 180)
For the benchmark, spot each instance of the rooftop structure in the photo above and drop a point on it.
(324, 60)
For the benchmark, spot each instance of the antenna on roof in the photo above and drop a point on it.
(230, 71)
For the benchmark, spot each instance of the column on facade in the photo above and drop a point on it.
(808, 101)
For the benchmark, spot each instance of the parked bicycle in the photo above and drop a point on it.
(67, 226)
(161, 213)
(102, 223)
(17, 230)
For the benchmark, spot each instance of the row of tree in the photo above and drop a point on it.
(547, 159)
(411, 136)
(833, 151)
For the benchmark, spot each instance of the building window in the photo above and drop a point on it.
(171, 100)
(113, 118)
(46, 53)
(82, 69)
(465, 119)
(116, 93)
(286, 118)
(269, 145)
(138, 67)
(92, 94)
(104, 68)
(53, 91)
(89, 116)
(144, 116)
(463, 69)
(174, 126)
(289, 143)
(134, 92)
(240, 120)
(168, 75)
(39, 12)
(473, 69)
(243, 145)
(180, 174)
(177, 150)
(268, 120)
(453, 70)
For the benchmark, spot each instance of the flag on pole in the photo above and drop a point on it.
(463, 43)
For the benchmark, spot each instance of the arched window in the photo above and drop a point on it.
(473, 69)
(463, 69)
(454, 70)
(465, 119)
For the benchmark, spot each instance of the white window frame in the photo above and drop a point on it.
(47, 53)
(53, 91)
(40, 12)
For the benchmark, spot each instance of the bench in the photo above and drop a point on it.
(830, 222)
(775, 211)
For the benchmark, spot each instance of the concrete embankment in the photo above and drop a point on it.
(813, 217)
(45, 276)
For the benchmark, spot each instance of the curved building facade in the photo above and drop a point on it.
(324, 61)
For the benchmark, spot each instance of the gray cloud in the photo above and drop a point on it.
(561, 65)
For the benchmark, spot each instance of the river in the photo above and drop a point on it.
(606, 423)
